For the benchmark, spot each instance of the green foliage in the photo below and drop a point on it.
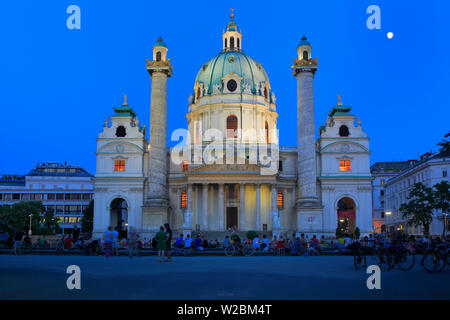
(87, 222)
(419, 209)
(251, 234)
(444, 144)
(17, 217)
(441, 198)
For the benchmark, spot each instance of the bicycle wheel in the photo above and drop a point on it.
(405, 260)
(433, 262)
(229, 251)
(247, 250)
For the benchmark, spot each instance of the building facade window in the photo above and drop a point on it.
(345, 165)
(183, 200)
(266, 127)
(158, 56)
(305, 55)
(185, 165)
(232, 125)
(280, 200)
(444, 173)
(343, 131)
(121, 132)
(382, 182)
(119, 165)
(280, 165)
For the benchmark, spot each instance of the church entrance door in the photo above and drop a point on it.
(119, 216)
(346, 216)
(232, 217)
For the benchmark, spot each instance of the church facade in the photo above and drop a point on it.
(229, 170)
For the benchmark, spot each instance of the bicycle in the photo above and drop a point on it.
(246, 249)
(435, 259)
(395, 256)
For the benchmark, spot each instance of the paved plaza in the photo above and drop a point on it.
(211, 277)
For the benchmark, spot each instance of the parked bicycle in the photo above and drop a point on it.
(435, 259)
(391, 256)
(239, 248)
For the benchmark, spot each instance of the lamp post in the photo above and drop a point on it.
(29, 230)
(445, 224)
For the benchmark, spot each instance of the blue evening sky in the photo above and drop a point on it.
(58, 85)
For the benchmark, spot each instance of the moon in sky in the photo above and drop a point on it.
(390, 35)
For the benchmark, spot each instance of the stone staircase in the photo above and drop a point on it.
(220, 235)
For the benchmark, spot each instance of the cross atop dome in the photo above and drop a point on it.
(232, 38)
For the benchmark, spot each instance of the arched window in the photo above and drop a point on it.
(280, 200)
(305, 55)
(183, 200)
(232, 126)
(198, 93)
(266, 127)
(158, 56)
(226, 43)
(239, 43)
(343, 131)
(232, 42)
(121, 131)
(265, 92)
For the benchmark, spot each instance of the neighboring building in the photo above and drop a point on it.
(381, 173)
(256, 185)
(429, 170)
(65, 189)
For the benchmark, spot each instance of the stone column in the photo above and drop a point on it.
(221, 207)
(179, 211)
(205, 207)
(187, 221)
(308, 205)
(242, 207)
(275, 215)
(258, 207)
(156, 204)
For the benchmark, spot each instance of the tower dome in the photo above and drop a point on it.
(252, 74)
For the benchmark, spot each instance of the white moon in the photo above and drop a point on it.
(390, 35)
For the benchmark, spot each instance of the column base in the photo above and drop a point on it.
(153, 217)
(309, 219)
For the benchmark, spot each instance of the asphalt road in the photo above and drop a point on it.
(211, 277)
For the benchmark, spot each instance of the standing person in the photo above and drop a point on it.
(169, 242)
(115, 241)
(108, 242)
(75, 233)
(161, 238)
(18, 235)
(132, 241)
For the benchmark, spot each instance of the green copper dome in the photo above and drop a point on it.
(249, 70)
(159, 43)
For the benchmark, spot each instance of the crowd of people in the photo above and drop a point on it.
(163, 242)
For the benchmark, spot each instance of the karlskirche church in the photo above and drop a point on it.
(230, 173)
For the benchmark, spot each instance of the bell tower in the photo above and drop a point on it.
(156, 200)
(309, 208)
(232, 38)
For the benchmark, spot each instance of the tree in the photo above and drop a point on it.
(17, 215)
(87, 222)
(441, 199)
(444, 144)
(419, 209)
(49, 223)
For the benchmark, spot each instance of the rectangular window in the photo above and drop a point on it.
(7, 196)
(86, 196)
(280, 199)
(280, 166)
(59, 209)
(183, 200)
(60, 196)
(1, 196)
(16, 196)
(344, 165)
(444, 173)
(185, 165)
(381, 192)
(382, 182)
(119, 165)
(51, 208)
(50, 196)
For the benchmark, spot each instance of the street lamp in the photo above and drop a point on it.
(445, 223)
(29, 230)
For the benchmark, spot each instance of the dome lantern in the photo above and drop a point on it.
(232, 38)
